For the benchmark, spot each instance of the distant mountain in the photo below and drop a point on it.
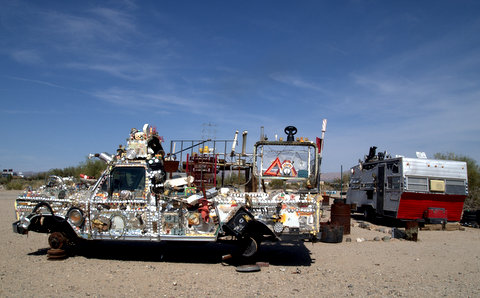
(30, 173)
(328, 177)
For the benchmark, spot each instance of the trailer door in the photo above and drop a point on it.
(380, 188)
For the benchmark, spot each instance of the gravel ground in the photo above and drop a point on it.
(441, 263)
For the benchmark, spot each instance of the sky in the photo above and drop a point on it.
(76, 76)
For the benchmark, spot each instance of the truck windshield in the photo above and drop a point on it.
(128, 178)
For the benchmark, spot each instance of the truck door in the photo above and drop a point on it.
(380, 188)
(118, 211)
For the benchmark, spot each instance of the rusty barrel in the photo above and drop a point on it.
(326, 200)
(340, 216)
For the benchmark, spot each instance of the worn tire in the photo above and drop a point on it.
(56, 254)
(249, 247)
(369, 214)
(55, 258)
(57, 240)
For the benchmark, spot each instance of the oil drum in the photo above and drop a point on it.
(340, 216)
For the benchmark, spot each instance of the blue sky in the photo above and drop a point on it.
(76, 76)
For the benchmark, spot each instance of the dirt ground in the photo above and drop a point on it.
(440, 263)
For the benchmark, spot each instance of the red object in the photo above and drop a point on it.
(319, 145)
(275, 163)
(86, 177)
(204, 209)
(215, 172)
(435, 213)
(413, 205)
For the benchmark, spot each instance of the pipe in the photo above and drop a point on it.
(234, 143)
(103, 156)
(244, 144)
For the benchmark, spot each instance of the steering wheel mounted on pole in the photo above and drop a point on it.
(290, 131)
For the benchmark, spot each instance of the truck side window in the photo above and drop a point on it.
(128, 178)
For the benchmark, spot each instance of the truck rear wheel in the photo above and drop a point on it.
(249, 247)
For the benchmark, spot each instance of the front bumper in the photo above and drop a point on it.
(20, 227)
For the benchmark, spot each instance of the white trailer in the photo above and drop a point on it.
(407, 188)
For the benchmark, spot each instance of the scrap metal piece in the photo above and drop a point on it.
(248, 268)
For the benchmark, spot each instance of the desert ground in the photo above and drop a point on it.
(440, 263)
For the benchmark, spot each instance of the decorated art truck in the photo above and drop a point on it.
(136, 199)
(405, 188)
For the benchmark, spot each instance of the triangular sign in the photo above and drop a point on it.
(270, 170)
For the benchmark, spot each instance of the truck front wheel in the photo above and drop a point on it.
(57, 240)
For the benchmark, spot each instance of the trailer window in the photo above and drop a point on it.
(455, 187)
(437, 185)
(417, 184)
(393, 182)
(393, 167)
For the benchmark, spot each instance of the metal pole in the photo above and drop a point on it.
(341, 182)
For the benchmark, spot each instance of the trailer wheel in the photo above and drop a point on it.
(368, 213)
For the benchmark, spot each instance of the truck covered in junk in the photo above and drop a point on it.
(141, 197)
(420, 189)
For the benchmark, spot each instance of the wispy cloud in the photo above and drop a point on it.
(36, 82)
(165, 102)
(96, 25)
(29, 112)
(297, 82)
(130, 71)
(27, 57)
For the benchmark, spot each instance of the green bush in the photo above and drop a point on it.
(276, 184)
(473, 172)
(232, 179)
(92, 168)
(15, 184)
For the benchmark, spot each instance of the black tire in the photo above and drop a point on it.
(368, 214)
(249, 247)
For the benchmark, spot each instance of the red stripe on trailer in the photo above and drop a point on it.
(412, 205)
